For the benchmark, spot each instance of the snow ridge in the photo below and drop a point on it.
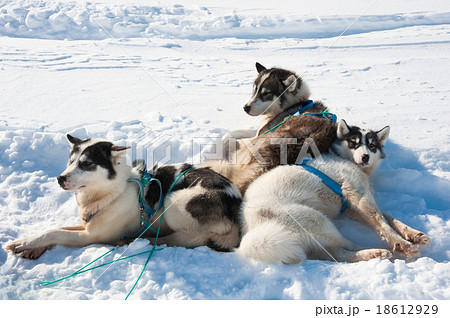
(89, 21)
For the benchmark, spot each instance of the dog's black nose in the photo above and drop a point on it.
(247, 109)
(61, 180)
(365, 158)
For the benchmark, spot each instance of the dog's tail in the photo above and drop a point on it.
(272, 242)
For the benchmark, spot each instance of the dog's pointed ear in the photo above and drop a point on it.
(342, 129)
(259, 67)
(74, 140)
(290, 83)
(117, 152)
(383, 135)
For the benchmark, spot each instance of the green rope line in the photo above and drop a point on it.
(81, 271)
(325, 112)
(157, 233)
(148, 258)
(277, 125)
(43, 284)
(149, 227)
(144, 182)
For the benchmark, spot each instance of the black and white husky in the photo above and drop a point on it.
(287, 212)
(201, 209)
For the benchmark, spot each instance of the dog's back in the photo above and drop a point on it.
(297, 137)
(202, 207)
(282, 209)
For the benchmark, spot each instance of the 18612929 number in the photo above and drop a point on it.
(407, 309)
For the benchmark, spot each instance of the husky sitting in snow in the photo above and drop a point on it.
(287, 212)
(201, 208)
(277, 93)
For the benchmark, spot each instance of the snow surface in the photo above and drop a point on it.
(163, 75)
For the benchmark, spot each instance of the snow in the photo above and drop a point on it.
(165, 76)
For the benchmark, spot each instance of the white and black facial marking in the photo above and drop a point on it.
(99, 155)
(363, 146)
(270, 90)
(75, 143)
(90, 160)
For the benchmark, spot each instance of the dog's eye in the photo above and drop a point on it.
(86, 164)
(372, 147)
(266, 95)
(351, 143)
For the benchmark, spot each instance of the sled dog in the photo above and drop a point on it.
(201, 209)
(277, 93)
(286, 213)
(278, 96)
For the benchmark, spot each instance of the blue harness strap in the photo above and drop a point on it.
(301, 110)
(330, 183)
(323, 114)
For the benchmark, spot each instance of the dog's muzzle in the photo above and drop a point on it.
(247, 109)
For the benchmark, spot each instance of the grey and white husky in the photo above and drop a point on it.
(201, 209)
(287, 212)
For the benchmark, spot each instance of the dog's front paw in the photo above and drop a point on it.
(24, 248)
(34, 253)
(382, 254)
(421, 239)
(368, 254)
(16, 246)
(407, 249)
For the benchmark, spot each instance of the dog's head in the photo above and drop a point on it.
(363, 147)
(92, 163)
(274, 91)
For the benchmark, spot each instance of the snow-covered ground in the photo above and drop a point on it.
(162, 75)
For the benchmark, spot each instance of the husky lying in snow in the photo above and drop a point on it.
(286, 212)
(202, 208)
(277, 94)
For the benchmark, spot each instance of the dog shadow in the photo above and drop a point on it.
(403, 173)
